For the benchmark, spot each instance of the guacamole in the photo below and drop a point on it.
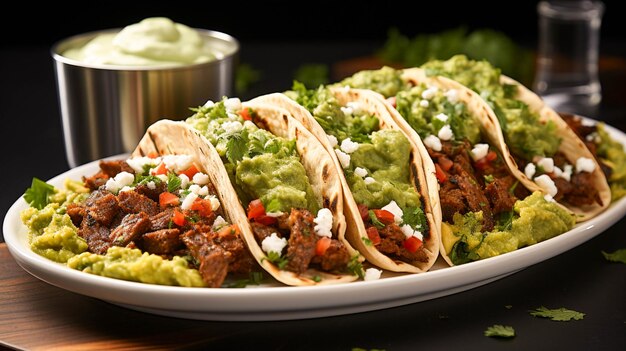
(534, 220)
(386, 81)
(260, 164)
(612, 153)
(524, 133)
(131, 264)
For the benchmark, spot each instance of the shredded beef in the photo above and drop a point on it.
(132, 202)
(335, 258)
(112, 167)
(131, 228)
(499, 196)
(240, 259)
(162, 220)
(392, 243)
(102, 206)
(162, 242)
(302, 240)
(96, 235)
(212, 262)
(262, 231)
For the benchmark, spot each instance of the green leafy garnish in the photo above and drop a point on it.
(367, 241)
(255, 278)
(415, 217)
(277, 259)
(375, 220)
(173, 182)
(500, 331)
(316, 278)
(558, 314)
(37, 195)
(355, 267)
(616, 256)
(237, 146)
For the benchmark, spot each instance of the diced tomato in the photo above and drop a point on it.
(484, 162)
(178, 218)
(161, 169)
(384, 216)
(245, 114)
(363, 211)
(322, 245)
(265, 220)
(255, 209)
(168, 199)
(190, 172)
(203, 206)
(445, 163)
(392, 100)
(152, 154)
(440, 174)
(412, 244)
(228, 230)
(491, 155)
(372, 234)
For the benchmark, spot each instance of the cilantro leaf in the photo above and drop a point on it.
(236, 147)
(38, 193)
(558, 314)
(501, 331)
(616, 256)
(277, 259)
(415, 217)
(173, 182)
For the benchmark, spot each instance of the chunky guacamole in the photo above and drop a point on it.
(261, 165)
(534, 219)
(613, 154)
(524, 133)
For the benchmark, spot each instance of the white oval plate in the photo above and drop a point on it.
(278, 302)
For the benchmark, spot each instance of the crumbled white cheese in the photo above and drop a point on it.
(361, 172)
(163, 177)
(332, 139)
(424, 103)
(349, 146)
(151, 185)
(445, 133)
(343, 158)
(219, 222)
(232, 126)
(587, 122)
(126, 188)
(346, 110)
(200, 178)
(567, 172)
(355, 106)
(395, 210)
(429, 93)
(121, 180)
(323, 223)
(177, 163)
(452, 95)
(479, 151)
(409, 232)
(546, 184)
(232, 104)
(584, 164)
(557, 171)
(433, 142)
(184, 181)
(372, 274)
(215, 203)
(547, 163)
(209, 104)
(369, 180)
(273, 243)
(138, 163)
(442, 117)
(530, 170)
(548, 198)
(199, 190)
(274, 214)
(188, 200)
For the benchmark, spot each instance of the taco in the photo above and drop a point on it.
(532, 137)
(156, 217)
(388, 209)
(485, 210)
(288, 196)
(609, 153)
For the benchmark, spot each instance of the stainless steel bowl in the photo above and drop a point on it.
(105, 109)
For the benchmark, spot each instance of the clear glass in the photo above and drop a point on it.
(567, 62)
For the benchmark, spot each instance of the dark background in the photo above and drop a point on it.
(276, 37)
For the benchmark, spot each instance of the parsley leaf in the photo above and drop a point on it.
(558, 314)
(37, 194)
(616, 256)
(501, 331)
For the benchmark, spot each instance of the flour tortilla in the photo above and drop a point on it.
(422, 172)
(571, 145)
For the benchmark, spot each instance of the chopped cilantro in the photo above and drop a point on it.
(277, 259)
(37, 194)
(355, 267)
(375, 220)
(317, 278)
(255, 278)
(616, 256)
(558, 314)
(367, 241)
(173, 182)
(237, 146)
(415, 217)
(500, 331)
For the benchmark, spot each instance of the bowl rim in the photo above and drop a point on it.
(58, 57)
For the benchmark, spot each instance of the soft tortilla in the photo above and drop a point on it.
(422, 178)
(571, 145)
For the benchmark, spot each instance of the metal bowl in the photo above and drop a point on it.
(105, 109)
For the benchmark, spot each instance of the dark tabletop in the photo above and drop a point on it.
(580, 279)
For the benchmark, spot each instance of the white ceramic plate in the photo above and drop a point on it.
(278, 302)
